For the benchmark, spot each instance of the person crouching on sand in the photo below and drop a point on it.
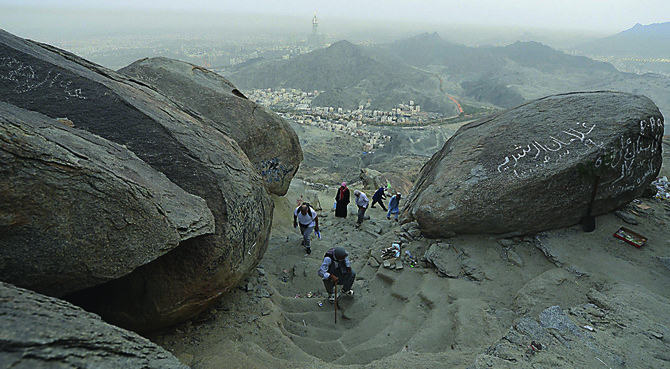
(336, 269)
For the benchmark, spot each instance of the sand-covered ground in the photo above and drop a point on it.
(589, 299)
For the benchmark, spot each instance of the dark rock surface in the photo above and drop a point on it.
(269, 141)
(78, 210)
(37, 331)
(533, 168)
(185, 148)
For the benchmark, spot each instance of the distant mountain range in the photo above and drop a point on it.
(350, 75)
(503, 76)
(431, 49)
(650, 41)
(426, 69)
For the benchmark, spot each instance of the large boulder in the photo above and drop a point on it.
(373, 180)
(37, 331)
(77, 210)
(269, 141)
(186, 149)
(534, 167)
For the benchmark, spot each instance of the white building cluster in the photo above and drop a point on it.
(295, 105)
(296, 100)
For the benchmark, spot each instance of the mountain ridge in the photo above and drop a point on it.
(349, 75)
(643, 41)
(426, 68)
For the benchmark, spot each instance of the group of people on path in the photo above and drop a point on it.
(336, 267)
(394, 203)
(342, 199)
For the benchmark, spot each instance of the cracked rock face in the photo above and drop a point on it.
(269, 142)
(184, 147)
(534, 167)
(37, 331)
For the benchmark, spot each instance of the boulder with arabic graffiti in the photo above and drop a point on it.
(533, 167)
(178, 158)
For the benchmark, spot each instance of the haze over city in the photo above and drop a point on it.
(79, 18)
(571, 14)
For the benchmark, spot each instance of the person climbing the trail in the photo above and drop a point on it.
(309, 221)
(378, 197)
(342, 200)
(362, 202)
(336, 269)
(394, 206)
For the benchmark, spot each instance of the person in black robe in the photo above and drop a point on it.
(341, 201)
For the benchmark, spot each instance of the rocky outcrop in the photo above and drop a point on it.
(268, 140)
(534, 167)
(372, 180)
(45, 332)
(588, 335)
(78, 210)
(185, 148)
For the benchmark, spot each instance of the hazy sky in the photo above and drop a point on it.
(602, 15)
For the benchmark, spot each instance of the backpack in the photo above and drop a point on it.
(309, 208)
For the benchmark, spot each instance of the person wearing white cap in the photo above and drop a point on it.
(394, 206)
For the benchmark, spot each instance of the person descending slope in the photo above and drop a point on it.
(336, 269)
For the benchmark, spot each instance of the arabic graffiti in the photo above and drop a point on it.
(27, 78)
(272, 171)
(539, 153)
(631, 157)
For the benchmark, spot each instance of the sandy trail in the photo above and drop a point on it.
(419, 317)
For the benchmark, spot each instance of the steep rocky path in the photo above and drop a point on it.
(391, 309)
(476, 302)
(281, 316)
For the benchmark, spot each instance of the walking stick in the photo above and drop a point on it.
(335, 302)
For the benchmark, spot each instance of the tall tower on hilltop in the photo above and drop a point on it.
(315, 40)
